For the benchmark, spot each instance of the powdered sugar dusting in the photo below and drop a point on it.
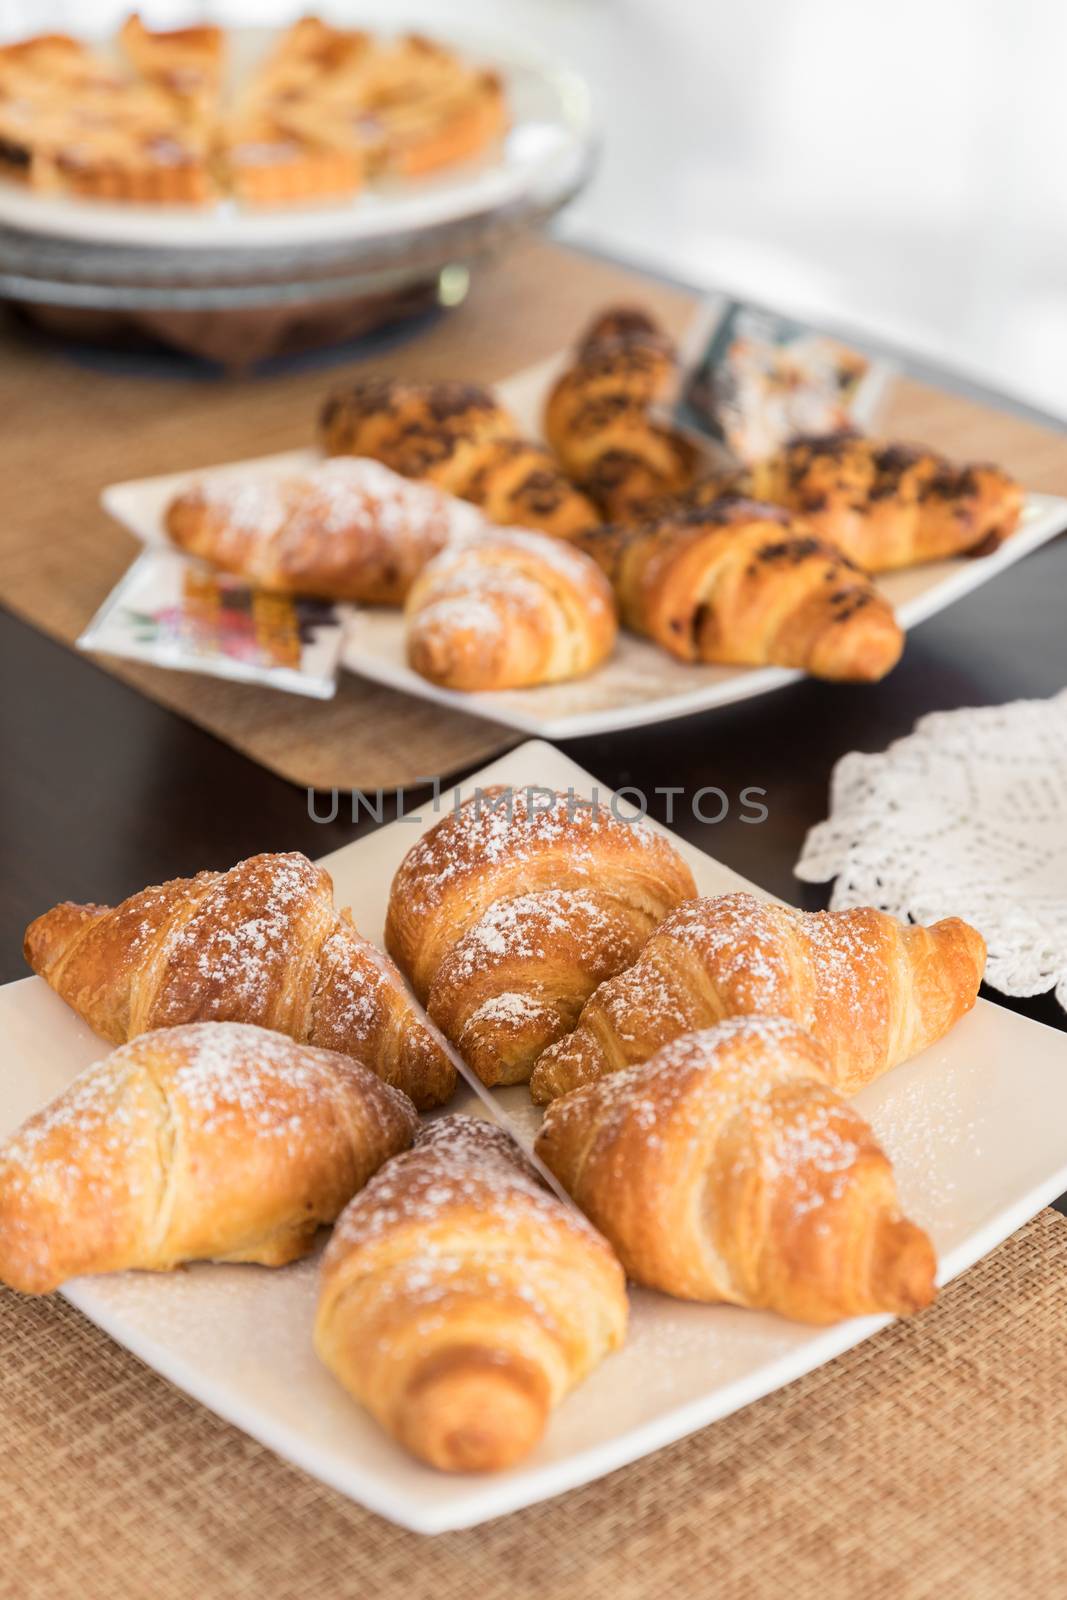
(350, 525)
(459, 1165)
(526, 927)
(519, 825)
(243, 932)
(806, 1144)
(213, 1068)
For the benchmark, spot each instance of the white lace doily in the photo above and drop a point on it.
(965, 817)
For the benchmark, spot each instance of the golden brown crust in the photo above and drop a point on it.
(871, 990)
(598, 415)
(727, 1169)
(517, 980)
(346, 530)
(213, 1141)
(260, 944)
(460, 1301)
(886, 505)
(507, 842)
(740, 583)
(457, 436)
(508, 610)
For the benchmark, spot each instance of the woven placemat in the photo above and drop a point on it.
(926, 1462)
(69, 431)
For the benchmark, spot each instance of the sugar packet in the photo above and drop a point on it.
(753, 379)
(178, 613)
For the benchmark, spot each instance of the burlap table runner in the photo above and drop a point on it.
(69, 431)
(928, 1461)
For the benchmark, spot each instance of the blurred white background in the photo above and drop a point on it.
(900, 166)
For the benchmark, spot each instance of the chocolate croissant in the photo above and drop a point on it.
(508, 610)
(742, 584)
(459, 437)
(214, 1141)
(261, 943)
(461, 1301)
(598, 416)
(884, 505)
(727, 1168)
(346, 530)
(506, 914)
(871, 990)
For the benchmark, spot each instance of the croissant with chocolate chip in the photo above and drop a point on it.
(598, 416)
(457, 436)
(743, 584)
(884, 505)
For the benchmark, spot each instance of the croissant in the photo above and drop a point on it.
(884, 505)
(261, 943)
(460, 438)
(873, 991)
(460, 1301)
(509, 610)
(214, 1141)
(727, 1168)
(741, 583)
(598, 415)
(507, 913)
(346, 530)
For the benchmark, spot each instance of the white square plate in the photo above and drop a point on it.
(641, 683)
(975, 1126)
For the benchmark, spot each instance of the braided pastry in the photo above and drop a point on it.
(460, 1301)
(346, 530)
(741, 583)
(873, 991)
(727, 1169)
(261, 943)
(457, 436)
(506, 914)
(509, 610)
(214, 1141)
(884, 505)
(597, 416)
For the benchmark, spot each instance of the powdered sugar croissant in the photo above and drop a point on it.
(727, 1168)
(213, 1141)
(873, 991)
(461, 1301)
(508, 610)
(507, 912)
(345, 530)
(261, 943)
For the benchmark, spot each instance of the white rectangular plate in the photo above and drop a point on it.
(641, 683)
(975, 1126)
